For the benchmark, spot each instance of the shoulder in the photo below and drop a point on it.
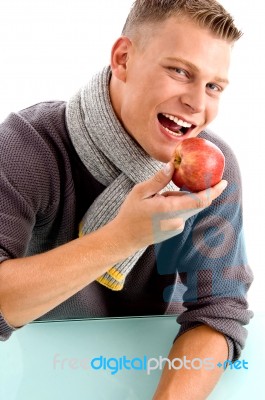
(34, 124)
(35, 132)
(48, 115)
(33, 149)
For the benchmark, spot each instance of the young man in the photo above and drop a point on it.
(91, 224)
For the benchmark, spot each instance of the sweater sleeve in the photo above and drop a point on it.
(210, 258)
(25, 189)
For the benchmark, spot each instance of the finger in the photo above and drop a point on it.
(156, 183)
(204, 198)
(174, 193)
(199, 200)
(220, 187)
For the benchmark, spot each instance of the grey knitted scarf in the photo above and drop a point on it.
(112, 157)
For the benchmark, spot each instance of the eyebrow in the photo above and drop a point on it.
(194, 67)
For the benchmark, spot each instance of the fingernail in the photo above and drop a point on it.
(167, 168)
(224, 184)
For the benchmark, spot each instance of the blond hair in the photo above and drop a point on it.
(208, 14)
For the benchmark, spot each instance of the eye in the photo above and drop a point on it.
(214, 87)
(179, 71)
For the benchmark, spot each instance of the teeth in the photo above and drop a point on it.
(173, 133)
(178, 121)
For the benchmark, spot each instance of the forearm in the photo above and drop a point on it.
(32, 286)
(193, 384)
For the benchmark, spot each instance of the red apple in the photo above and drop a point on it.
(199, 164)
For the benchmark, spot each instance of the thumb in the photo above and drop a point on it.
(158, 181)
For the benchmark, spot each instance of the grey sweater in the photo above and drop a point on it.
(201, 275)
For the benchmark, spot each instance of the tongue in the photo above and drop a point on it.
(167, 123)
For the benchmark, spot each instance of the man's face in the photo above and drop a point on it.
(172, 86)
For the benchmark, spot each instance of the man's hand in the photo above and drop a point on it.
(148, 217)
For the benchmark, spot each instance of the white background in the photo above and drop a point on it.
(49, 48)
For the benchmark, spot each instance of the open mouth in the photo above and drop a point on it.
(175, 126)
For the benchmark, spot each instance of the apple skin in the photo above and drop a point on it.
(199, 164)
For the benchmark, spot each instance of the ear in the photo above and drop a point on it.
(120, 56)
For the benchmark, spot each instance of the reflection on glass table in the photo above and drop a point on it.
(116, 358)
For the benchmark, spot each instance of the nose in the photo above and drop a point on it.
(194, 99)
